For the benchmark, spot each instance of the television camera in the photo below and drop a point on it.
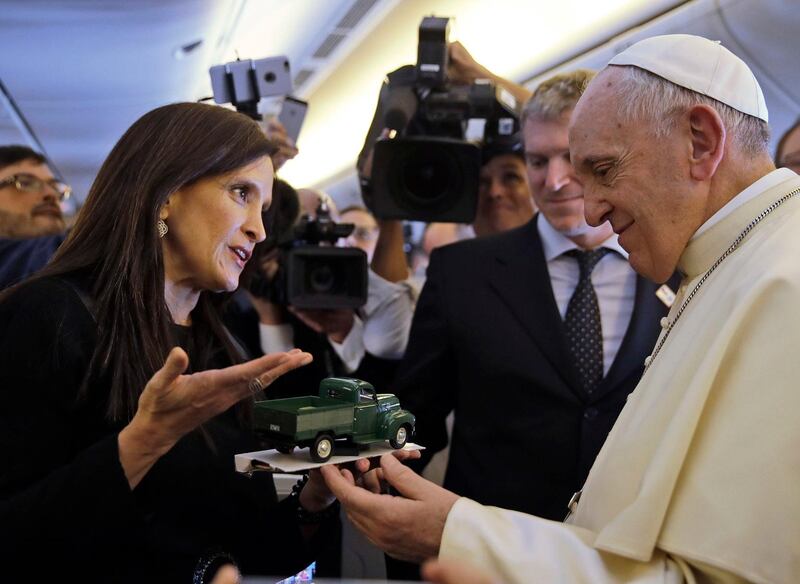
(312, 272)
(429, 171)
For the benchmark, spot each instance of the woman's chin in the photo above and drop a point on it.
(226, 283)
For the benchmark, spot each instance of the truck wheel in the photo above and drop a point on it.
(323, 448)
(400, 437)
(285, 449)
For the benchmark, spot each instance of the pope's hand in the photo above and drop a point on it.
(408, 527)
(316, 495)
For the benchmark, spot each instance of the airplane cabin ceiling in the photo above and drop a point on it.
(81, 71)
(762, 32)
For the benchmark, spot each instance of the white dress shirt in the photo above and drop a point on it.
(613, 279)
(382, 328)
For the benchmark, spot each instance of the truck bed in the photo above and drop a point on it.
(303, 417)
(294, 404)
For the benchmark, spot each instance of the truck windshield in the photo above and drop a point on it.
(365, 395)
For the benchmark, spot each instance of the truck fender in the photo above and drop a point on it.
(391, 422)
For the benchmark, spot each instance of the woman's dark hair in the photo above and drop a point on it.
(115, 242)
(282, 215)
(279, 220)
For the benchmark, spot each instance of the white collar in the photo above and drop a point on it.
(765, 183)
(555, 243)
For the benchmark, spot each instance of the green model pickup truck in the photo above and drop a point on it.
(347, 412)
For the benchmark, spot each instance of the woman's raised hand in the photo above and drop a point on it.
(173, 404)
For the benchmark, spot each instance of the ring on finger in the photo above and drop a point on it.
(255, 385)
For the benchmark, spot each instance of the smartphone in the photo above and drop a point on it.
(273, 76)
(292, 114)
(248, 80)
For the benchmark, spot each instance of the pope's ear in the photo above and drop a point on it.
(708, 141)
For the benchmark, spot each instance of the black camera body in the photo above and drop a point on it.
(316, 275)
(312, 273)
(430, 171)
(426, 179)
(325, 277)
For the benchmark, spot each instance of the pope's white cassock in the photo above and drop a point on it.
(699, 480)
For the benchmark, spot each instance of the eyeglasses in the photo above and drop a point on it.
(365, 233)
(27, 183)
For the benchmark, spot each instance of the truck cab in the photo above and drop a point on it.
(368, 404)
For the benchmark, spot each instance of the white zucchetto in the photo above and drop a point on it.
(701, 65)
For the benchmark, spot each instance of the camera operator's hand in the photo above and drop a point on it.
(286, 147)
(336, 323)
(464, 69)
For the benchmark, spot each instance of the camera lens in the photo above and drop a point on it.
(425, 178)
(428, 175)
(325, 277)
(321, 279)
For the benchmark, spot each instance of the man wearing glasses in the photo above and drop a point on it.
(31, 220)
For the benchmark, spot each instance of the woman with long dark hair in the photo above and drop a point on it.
(116, 446)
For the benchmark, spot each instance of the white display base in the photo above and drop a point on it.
(300, 459)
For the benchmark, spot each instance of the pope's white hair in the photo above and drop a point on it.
(643, 96)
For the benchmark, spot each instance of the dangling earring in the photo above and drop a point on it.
(162, 228)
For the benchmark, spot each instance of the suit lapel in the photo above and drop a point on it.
(640, 337)
(521, 279)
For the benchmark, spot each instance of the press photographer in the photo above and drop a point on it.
(434, 118)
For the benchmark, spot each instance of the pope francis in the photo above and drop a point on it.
(699, 479)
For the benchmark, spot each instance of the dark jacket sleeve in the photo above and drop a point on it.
(425, 384)
(52, 487)
(273, 544)
(19, 258)
(63, 492)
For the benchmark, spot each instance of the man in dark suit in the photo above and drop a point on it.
(533, 337)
